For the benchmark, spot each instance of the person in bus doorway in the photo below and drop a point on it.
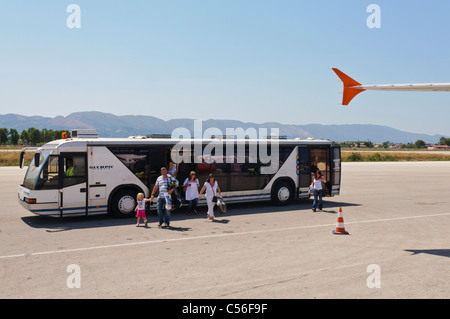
(191, 185)
(314, 167)
(212, 187)
(172, 170)
(316, 187)
(162, 184)
(140, 208)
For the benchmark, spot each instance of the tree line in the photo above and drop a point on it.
(387, 144)
(32, 136)
(444, 141)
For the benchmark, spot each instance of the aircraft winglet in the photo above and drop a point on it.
(350, 91)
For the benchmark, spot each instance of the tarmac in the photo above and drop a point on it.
(397, 215)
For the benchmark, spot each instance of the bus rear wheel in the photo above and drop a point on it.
(123, 203)
(282, 193)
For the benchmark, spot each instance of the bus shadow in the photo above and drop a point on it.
(53, 225)
(57, 224)
(437, 252)
(331, 207)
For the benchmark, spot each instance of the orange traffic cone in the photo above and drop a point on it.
(340, 229)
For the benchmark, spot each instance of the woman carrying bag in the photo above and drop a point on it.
(191, 185)
(317, 189)
(212, 187)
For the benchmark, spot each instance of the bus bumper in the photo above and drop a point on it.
(47, 204)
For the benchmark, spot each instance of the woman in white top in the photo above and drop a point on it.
(212, 187)
(316, 187)
(191, 185)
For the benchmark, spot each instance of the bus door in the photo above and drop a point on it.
(336, 170)
(158, 159)
(303, 169)
(73, 189)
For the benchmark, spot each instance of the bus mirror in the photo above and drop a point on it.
(36, 159)
(22, 155)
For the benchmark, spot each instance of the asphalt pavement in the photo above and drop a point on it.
(397, 215)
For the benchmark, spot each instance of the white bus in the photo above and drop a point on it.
(107, 173)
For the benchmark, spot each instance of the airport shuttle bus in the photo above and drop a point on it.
(88, 175)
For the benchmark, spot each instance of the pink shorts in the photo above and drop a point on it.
(140, 213)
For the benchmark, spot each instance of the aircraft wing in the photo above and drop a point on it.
(353, 88)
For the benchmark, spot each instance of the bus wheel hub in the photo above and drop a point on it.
(126, 204)
(283, 194)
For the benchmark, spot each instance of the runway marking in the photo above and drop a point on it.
(212, 236)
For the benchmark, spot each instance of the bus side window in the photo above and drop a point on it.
(136, 159)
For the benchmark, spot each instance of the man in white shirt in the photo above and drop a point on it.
(162, 183)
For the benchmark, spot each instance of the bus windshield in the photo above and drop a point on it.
(35, 173)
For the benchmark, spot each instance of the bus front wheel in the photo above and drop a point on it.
(123, 203)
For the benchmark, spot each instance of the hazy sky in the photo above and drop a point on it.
(250, 60)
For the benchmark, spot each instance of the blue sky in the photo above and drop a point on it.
(255, 61)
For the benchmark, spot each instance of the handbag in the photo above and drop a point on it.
(214, 199)
(324, 189)
(222, 206)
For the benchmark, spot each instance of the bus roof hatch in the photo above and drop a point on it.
(84, 133)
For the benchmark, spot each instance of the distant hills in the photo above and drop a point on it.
(109, 125)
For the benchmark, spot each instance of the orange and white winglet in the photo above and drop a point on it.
(350, 91)
(353, 88)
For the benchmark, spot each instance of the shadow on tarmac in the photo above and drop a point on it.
(58, 224)
(437, 252)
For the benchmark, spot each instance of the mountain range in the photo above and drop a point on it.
(109, 125)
